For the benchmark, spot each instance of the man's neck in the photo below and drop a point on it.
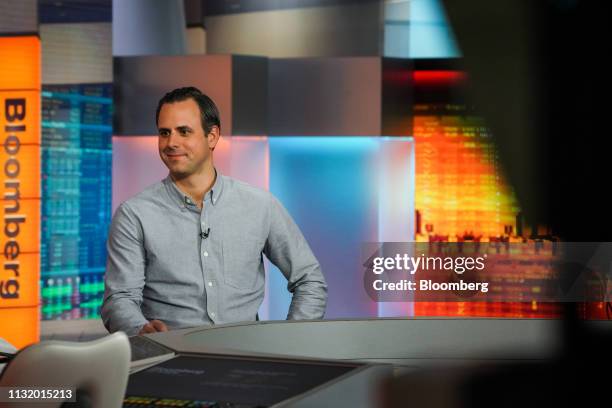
(197, 185)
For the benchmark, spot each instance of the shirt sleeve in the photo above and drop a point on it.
(125, 274)
(287, 248)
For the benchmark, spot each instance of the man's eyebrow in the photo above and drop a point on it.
(179, 128)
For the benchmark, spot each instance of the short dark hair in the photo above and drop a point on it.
(208, 110)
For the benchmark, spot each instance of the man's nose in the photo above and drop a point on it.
(173, 139)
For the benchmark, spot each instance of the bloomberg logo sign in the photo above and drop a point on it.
(20, 194)
(20, 119)
(15, 111)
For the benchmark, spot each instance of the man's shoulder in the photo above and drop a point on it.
(146, 197)
(245, 190)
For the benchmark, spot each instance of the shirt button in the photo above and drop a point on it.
(212, 314)
(205, 253)
(209, 283)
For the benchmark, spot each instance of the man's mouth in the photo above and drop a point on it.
(175, 155)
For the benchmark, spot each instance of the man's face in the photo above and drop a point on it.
(183, 147)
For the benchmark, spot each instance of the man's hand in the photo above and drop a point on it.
(153, 326)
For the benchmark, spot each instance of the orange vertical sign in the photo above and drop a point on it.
(20, 189)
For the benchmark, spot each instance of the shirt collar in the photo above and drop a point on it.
(185, 200)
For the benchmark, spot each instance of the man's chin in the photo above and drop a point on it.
(178, 175)
(176, 172)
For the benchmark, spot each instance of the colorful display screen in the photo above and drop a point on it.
(461, 192)
(76, 197)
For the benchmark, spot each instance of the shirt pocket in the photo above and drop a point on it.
(242, 261)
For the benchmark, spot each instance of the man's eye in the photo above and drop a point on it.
(164, 133)
(184, 131)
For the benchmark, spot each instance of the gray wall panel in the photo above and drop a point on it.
(332, 31)
(141, 81)
(360, 96)
(18, 16)
(332, 96)
(148, 27)
(249, 95)
(76, 53)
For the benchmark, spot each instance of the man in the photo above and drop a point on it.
(187, 251)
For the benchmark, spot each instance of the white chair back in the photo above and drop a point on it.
(99, 369)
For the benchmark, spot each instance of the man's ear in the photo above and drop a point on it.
(213, 137)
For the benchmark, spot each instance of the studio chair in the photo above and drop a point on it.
(97, 370)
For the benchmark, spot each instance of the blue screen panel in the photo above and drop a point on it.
(332, 188)
(418, 29)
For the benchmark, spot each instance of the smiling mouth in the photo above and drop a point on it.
(174, 155)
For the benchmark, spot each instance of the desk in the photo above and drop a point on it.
(400, 344)
(415, 342)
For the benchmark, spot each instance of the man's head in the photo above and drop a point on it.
(189, 128)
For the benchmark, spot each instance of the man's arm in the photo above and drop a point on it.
(287, 248)
(125, 274)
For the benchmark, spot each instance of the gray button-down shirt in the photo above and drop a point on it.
(171, 261)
